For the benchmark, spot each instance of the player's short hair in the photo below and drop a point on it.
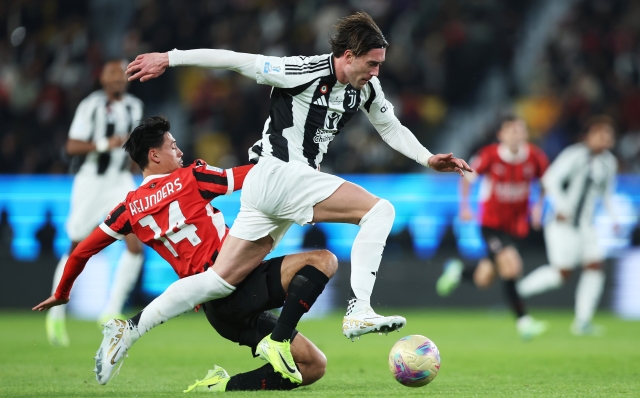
(149, 134)
(502, 120)
(598, 120)
(358, 33)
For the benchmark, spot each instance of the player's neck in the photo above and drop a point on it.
(339, 64)
(153, 171)
(114, 96)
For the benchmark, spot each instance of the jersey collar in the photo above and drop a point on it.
(507, 156)
(152, 177)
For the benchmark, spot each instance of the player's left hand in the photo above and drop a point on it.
(48, 303)
(448, 162)
(148, 66)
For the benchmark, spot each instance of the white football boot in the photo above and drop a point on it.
(112, 351)
(361, 319)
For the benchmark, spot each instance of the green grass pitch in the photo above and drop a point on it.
(481, 356)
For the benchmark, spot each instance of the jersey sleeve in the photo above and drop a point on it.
(289, 72)
(82, 124)
(118, 222)
(94, 243)
(542, 162)
(213, 181)
(481, 163)
(556, 175)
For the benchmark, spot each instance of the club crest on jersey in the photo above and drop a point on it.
(352, 98)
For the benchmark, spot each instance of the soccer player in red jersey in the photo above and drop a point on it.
(509, 167)
(171, 213)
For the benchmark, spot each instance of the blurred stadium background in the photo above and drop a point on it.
(453, 67)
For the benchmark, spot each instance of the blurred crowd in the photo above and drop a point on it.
(51, 52)
(591, 66)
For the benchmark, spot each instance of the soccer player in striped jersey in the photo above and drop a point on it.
(510, 167)
(103, 177)
(311, 101)
(171, 213)
(581, 175)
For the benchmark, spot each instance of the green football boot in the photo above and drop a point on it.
(215, 381)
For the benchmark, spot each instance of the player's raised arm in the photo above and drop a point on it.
(213, 181)
(151, 65)
(380, 113)
(92, 245)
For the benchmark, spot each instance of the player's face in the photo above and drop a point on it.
(170, 155)
(600, 138)
(360, 70)
(513, 134)
(113, 79)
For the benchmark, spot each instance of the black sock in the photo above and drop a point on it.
(304, 289)
(136, 318)
(468, 271)
(264, 378)
(514, 299)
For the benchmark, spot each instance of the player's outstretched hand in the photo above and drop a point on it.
(48, 303)
(148, 66)
(445, 163)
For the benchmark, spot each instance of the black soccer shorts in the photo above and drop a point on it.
(497, 240)
(244, 317)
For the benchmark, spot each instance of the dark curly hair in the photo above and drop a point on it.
(149, 134)
(358, 33)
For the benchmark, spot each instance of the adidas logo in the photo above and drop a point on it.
(320, 101)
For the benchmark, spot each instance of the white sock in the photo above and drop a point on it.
(181, 296)
(588, 294)
(58, 312)
(124, 280)
(542, 279)
(366, 252)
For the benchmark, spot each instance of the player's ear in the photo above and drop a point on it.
(153, 156)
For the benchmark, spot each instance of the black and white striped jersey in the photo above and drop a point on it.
(96, 119)
(309, 106)
(577, 179)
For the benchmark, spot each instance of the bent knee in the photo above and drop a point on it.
(324, 261)
(314, 370)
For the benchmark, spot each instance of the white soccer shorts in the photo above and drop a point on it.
(92, 198)
(276, 194)
(569, 247)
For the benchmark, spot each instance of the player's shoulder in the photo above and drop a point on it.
(489, 150)
(372, 87)
(609, 158)
(536, 151)
(95, 97)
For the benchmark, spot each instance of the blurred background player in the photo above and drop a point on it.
(580, 176)
(103, 178)
(509, 166)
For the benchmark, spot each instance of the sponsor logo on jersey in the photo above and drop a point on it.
(511, 192)
(212, 168)
(337, 100)
(328, 133)
(269, 68)
(321, 101)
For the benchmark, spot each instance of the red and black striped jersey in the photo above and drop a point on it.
(172, 214)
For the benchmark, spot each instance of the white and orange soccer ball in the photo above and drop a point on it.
(414, 361)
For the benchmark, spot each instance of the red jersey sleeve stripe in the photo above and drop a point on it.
(111, 232)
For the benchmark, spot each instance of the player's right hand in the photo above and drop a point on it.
(148, 66)
(116, 141)
(50, 302)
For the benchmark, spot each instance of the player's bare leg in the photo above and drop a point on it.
(353, 204)
(55, 321)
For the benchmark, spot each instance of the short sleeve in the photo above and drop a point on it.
(289, 72)
(82, 124)
(482, 161)
(213, 181)
(118, 222)
(542, 162)
(377, 108)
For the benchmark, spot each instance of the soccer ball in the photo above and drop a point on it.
(414, 361)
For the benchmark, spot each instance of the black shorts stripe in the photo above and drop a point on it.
(114, 216)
